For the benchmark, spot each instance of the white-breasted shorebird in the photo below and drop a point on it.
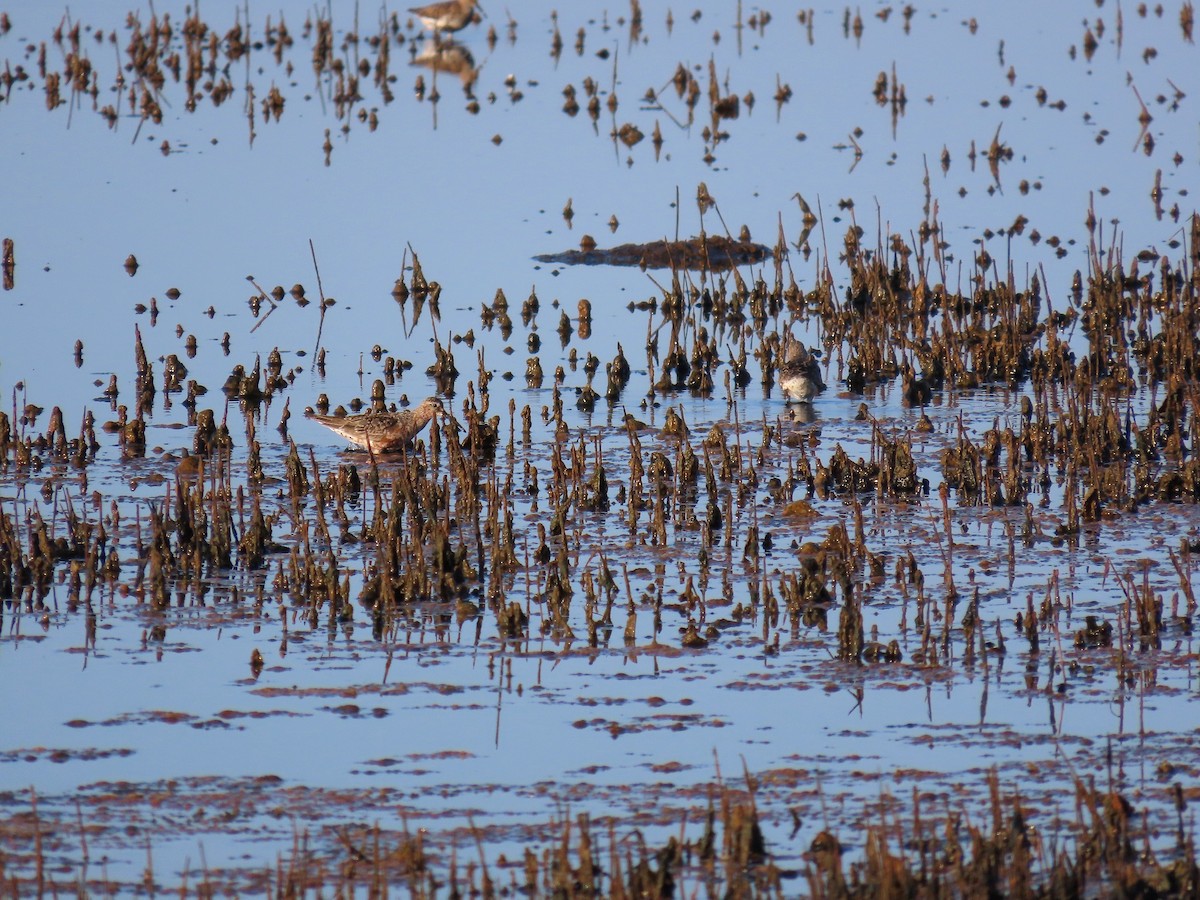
(382, 431)
(800, 374)
(445, 16)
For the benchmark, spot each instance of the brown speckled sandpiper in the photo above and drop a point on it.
(445, 16)
(382, 431)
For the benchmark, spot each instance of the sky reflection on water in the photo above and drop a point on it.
(214, 210)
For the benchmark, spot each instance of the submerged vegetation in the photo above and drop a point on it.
(1003, 853)
(999, 488)
(532, 541)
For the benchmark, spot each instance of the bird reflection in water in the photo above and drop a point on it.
(451, 58)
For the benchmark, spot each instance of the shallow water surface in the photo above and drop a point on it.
(211, 717)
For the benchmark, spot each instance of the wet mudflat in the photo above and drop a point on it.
(618, 616)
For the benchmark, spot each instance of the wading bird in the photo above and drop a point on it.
(800, 374)
(382, 431)
(445, 16)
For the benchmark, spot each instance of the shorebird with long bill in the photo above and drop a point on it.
(379, 432)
